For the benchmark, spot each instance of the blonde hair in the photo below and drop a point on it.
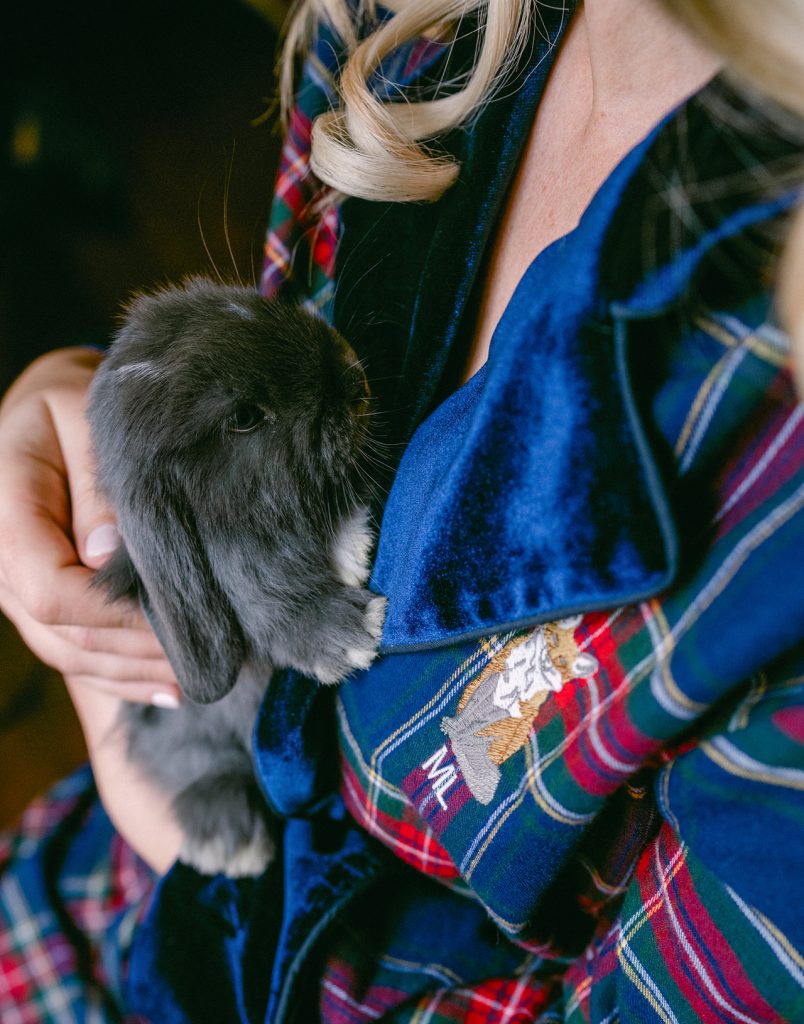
(379, 149)
(383, 149)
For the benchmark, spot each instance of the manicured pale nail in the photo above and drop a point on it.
(164, 700)
(102, 541)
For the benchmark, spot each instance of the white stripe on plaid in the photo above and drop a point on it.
(27, 934)
(789, 957)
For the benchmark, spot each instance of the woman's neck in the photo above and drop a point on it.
(639, 62)
(622, 66)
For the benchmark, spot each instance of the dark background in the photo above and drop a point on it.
(129, 133)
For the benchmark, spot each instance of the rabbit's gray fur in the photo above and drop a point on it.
(230, 434)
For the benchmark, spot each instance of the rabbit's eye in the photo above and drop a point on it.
(245, 418)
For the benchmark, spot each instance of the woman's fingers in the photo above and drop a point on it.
(94, 533)
(135, 692)
(127, 643)
(130, 663)
(38, 560)
(48, 503)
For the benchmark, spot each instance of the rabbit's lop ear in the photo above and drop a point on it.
(189, 612)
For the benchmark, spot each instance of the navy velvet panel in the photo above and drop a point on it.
(329, 862)
(219, 949)
(205, 948)
(294, 744)
(525, 494)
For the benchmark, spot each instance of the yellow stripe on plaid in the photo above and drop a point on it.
(736, 762)
(758, 345)
(672, 698)
(700, 400)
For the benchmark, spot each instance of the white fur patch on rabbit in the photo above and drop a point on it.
(352, 548)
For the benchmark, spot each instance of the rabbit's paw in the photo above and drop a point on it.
(225, 827)
(362, 657)
(214, 856)
(352, 641)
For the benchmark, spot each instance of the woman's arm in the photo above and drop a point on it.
(138, 810)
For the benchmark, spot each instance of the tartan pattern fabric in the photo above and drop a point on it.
(300, 244)
(519, 999)
(301, 241)
(686, 947)
(67, 910)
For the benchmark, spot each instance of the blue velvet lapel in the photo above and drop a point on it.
(580, 518)
(530, 493)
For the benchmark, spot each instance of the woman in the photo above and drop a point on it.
(562, 774)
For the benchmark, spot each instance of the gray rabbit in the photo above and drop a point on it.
(231, 435)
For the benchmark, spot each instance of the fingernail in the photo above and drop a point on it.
(102, 541)
(164, 700)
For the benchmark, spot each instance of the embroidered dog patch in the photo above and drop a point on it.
(497, 709)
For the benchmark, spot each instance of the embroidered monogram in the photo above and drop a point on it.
(442, 776)
(497, 709)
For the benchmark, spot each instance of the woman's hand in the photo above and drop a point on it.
(54, 531)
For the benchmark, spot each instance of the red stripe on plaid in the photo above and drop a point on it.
(437, 809)
(775, 456)
(494, 1001)
(508, 1000)
(595, 633)
(305, 229)
(408, 838)
(612, 734)
(790, 721)
(295, 155)
(346, 1000)
(15, 979)
(695, 951)
(326, 243)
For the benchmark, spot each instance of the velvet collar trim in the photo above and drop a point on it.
(553, 503)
